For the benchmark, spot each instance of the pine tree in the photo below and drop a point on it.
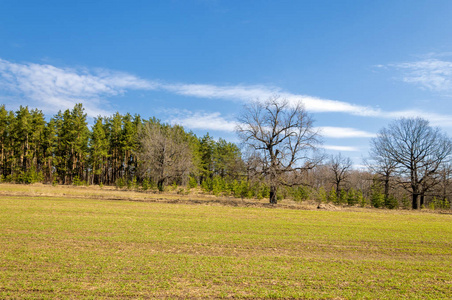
(206, 150)
(351, 197)
(360, 198)
(377, 198)
(49, 145)
(332, 196)
(21, 129)
(115, 129)
(129, 145)
(72, 146)
(36, 154)
(80, 133)
(98, 151)
(321, 195)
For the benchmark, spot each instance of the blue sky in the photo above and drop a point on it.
(356, 65)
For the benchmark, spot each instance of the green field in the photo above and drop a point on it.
(55, 247)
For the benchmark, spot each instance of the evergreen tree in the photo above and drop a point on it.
(128, 145)
(226, 159)
(49, 145)
(115, 153)
(98, 151)
(21, 129)
(351, 197)
(342, 197)
(332, 196)
(321, 195)
(72, 145)
(206, 151)
(36, 154)
(377, 197)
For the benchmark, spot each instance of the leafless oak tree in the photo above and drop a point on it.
(280, 137)
(165, 153)
(417, 149)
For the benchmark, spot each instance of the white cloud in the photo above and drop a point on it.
(238, 92)
(434, 118)
(202, 120)
(340, 148)
(258, 92)
(61, 88)
(432, 74)
(245, 94)
(314, 104)
(343, 132)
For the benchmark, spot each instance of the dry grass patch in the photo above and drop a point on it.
(194, 196)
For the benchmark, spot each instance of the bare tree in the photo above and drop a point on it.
(280, 138)
(417, 150)
(382, 164)
(165, 153)
(340, 166)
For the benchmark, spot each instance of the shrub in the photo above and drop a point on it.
(342, 197)
(446, 204)
(120, 183)
(192, 182)
(206, 185)
(360, 199)
(132, 184)
(405, 202)
(377, 199)
(145, 184)
(321, 195)
(218, 185)
(300, 193)
(351, 197)
(391, 202)
(332, 196)
(77, 182)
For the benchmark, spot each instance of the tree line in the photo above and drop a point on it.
(116, 150)
(408, 164)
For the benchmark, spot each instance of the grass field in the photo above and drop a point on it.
(64, 247)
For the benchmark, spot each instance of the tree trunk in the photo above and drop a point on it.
(415, 203)
(386, 187)
(273, 199)
(422, 201)
(160, 185)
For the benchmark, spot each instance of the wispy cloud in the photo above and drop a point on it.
(245, 93)
(55, 88)
(434, 118)
(202, 120)
(431, 73)
(343, 132)
(237, 92)
(340, 148)
(60, 88)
